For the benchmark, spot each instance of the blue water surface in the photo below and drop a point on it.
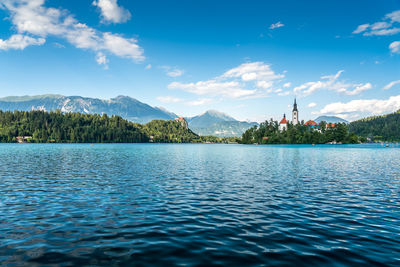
(199, 204)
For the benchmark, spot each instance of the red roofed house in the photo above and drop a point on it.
(311, 123)
(283, 124)
(330, 125)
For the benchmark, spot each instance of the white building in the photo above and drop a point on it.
(283, 124)
(295, 118)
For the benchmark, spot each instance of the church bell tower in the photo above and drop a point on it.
(295, 114)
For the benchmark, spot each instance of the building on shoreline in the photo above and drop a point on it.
(23, 139)
(183, 122)
(283, 124)
(295, 118)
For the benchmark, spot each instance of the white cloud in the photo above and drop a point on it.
(18, 41)
(169, 99)
(394, 16)
(312, 105)
(395, 47)
(357, 90)
(361, 28)
(357, 108)
(58, 45)
(380, 25)
(331, 82)
(122, 47)
(391, 84)
(111, 12)
(148, 67)
(248, 80)
(383, 32)
(82, 36)
(284, 93)
(253, 71)
(276, 25)
(101, 59)
(213, 88)
(287, 85)
(200, 102)
(265, 84)
(173, 71)
(32, 17)
(381, 28)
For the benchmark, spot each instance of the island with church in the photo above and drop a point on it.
(299, 132)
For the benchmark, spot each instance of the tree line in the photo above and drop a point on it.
(268, 133)
(59, 127)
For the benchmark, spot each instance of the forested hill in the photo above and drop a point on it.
(58, 127)
(161, 131)
(378, 128)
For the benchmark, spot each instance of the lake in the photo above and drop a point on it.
(199, 204)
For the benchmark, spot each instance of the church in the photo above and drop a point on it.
(295, 118)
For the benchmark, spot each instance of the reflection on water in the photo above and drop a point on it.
(199, 204)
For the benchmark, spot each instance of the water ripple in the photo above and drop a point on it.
(212, 205)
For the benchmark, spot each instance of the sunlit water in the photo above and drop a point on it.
(142, 204)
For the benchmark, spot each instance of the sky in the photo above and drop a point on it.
(249, 59)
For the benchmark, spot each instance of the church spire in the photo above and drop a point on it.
(295, 113)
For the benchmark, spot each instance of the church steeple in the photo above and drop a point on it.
(295, 105)
(295, 113)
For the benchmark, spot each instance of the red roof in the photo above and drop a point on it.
(330, 125)
(283, 121)
(311, 123)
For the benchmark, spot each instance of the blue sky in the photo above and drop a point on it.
(246, 58)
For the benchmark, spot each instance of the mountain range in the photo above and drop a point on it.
(124, 106)
(211, 122)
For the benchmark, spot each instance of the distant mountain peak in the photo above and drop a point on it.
(209, 118)
(124, 98)
(330, 119)
(213, 111)
(217, 114)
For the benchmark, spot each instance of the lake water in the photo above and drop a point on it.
(199, 204)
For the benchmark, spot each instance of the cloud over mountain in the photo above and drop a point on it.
(362, 107)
